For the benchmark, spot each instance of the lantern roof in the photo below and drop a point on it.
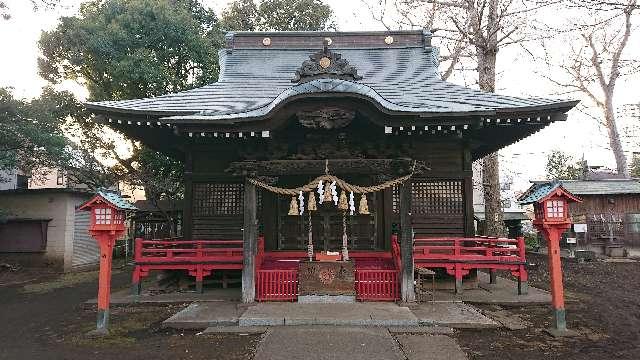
(539, 192)
(111, 198)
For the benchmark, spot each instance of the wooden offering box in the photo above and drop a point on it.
(326, 278)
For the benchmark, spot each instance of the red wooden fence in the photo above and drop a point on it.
(277, 285)
(377, 285)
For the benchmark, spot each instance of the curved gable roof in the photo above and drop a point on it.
(255, 79)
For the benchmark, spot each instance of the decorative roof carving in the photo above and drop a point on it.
(328, 118)
(326, 64)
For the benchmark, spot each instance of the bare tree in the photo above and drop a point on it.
(479, 28)
(596, 62)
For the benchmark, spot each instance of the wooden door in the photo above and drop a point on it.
(327, 228)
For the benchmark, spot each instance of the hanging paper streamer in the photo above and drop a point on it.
(320, 192)
(293, 207)
(334, 193)
(301, 198)
(352, 206)
(364, 207)
(311, 203)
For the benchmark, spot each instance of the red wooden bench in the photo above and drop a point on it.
(199, 257)
(460, 255)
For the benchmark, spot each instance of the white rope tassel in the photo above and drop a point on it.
(320, 191)
(301, 198)
(334, 193)
(352, 204)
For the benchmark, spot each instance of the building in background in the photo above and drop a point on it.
(610, 208)
(41, 227)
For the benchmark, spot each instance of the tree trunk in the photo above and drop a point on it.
(487, 52)
(492, 202)
(614, 138)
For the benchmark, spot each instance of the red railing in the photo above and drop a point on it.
(199, 258)
(470, 249)
(277, 285)
(377, 285)
(460, 255)
(187, 251)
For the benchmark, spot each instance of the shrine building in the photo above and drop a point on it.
(312, 143)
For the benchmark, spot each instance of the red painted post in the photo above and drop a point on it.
(551, 207)
(107, 216)
(555, 272)
(106, 242)
(523, 287)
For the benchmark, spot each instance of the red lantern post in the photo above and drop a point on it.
(107, 224)
(551, 206)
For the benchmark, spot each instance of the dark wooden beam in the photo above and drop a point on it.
(317, 167)
(406, 244)
(250, 246)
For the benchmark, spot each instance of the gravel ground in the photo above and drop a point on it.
(47, 319)
(603, 306)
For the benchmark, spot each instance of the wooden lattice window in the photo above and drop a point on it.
(433, 197)
(213, 199)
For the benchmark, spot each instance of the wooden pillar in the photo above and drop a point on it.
(467, 167)
(406, 243)
(187, 207)
(250, 239)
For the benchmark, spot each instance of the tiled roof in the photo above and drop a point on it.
(601, 187)
(537, 191)
(116, 200)
(400, 79)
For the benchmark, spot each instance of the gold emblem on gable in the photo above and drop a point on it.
(325, 62)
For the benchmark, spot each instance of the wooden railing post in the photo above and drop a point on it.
(249, 237)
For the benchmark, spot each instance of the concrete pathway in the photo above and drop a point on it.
(455, 315)
(505, 292)
(359, 314)
(430, 347)
(200, 315)
(357, 343)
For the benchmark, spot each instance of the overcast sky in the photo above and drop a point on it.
(516, 76)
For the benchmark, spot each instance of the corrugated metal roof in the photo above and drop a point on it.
(601, 187)
(400, 79)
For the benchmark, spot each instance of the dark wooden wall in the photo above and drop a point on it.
(622, 206)
(442, 195)
(602, 204)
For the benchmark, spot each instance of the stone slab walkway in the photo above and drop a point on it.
(359, 314)
(200, 315)
(505, 292)
(328, 343)
(430, 347)
(455, 315)
(356, 343)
